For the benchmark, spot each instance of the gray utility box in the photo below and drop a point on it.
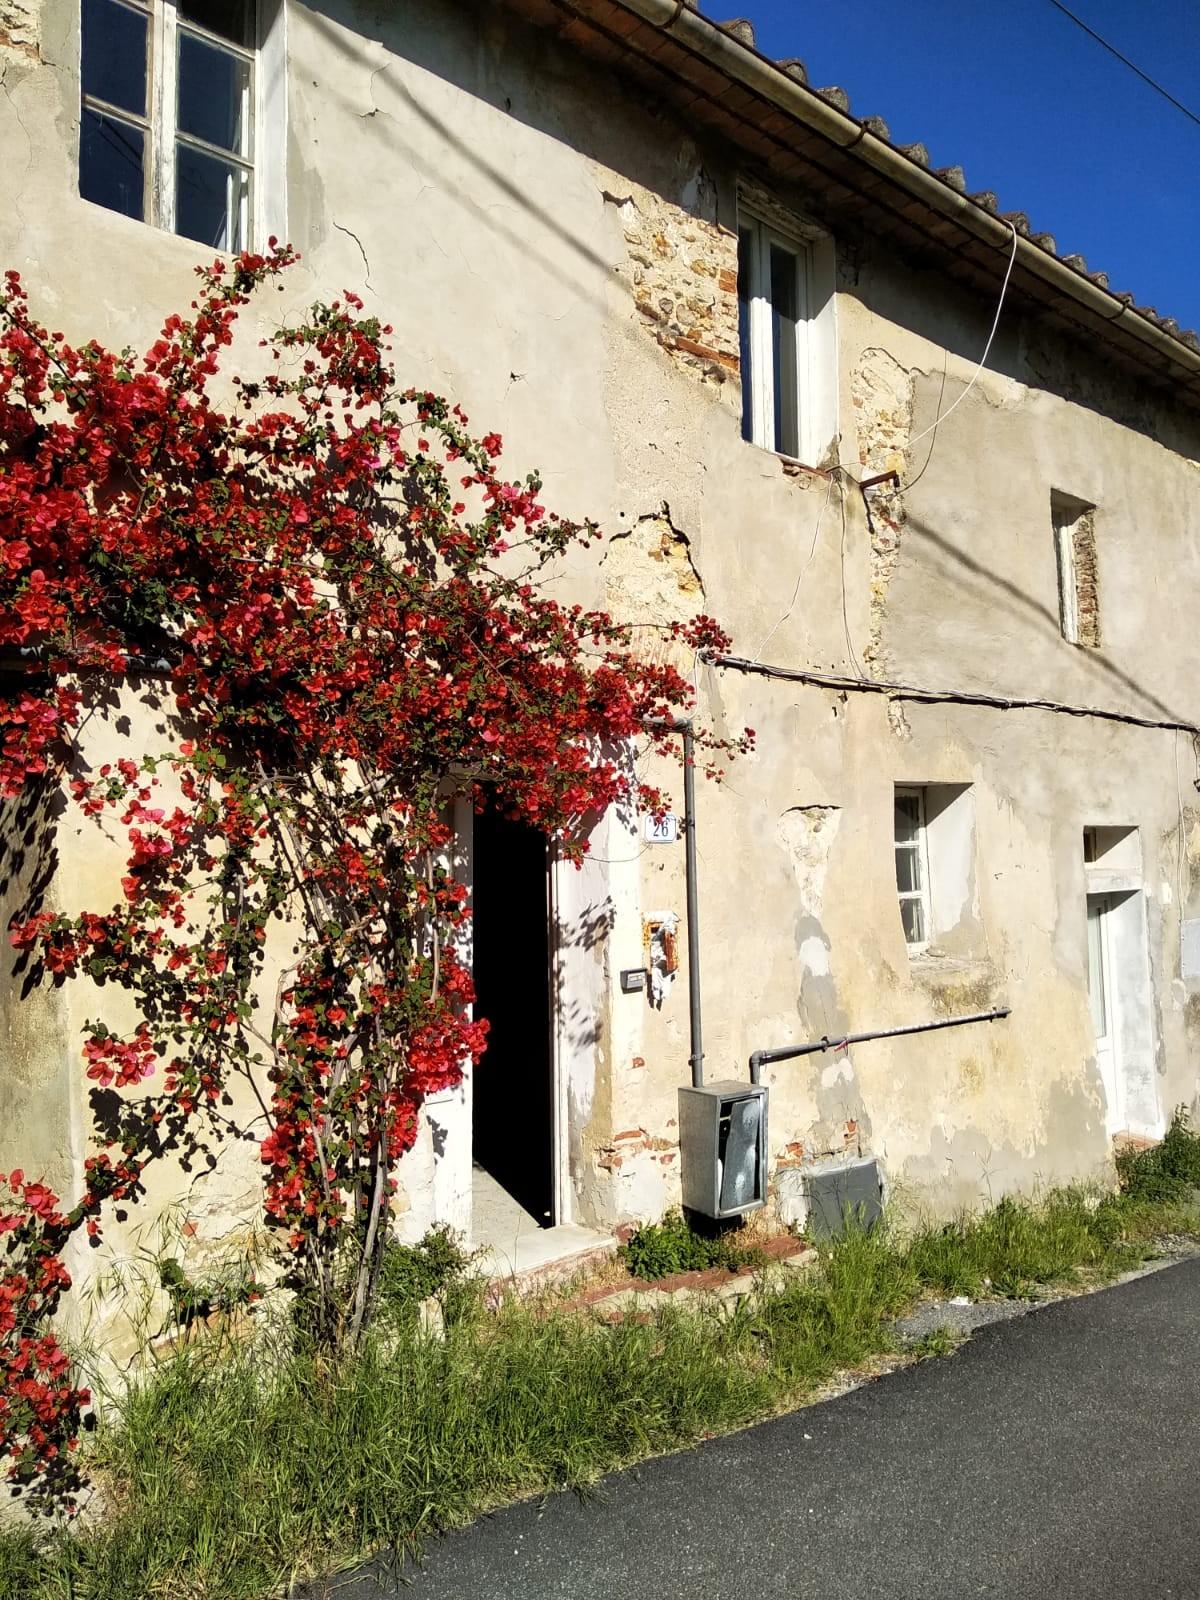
(723, 1148)
(841, 1194)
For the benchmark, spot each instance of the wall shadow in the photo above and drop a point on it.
(1002, 597)
(526, 73)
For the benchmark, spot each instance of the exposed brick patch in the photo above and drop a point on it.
(693, 348)
(1136, 1142)
(786, 1255)
(538, 1279)
(1078, 575)
(611, 1157)
(1087, 591)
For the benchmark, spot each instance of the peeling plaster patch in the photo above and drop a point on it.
(674, 548)
(898, 721)
(20, 33)
(698, 196)
(968, 1160)
(836, 1072)
(817, 1001)
(882, 393)
(807, 834)
(640, 1174)
(814, 957)
(650, 575)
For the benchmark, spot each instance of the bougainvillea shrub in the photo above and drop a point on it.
(344, 599)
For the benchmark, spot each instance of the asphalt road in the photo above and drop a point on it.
(1056, 1455)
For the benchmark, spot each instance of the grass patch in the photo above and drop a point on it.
(662, 1249)
(239, 1473)
(1167, 1173)
(1017, 1248)
(411, 1273)
(937, 1342)
(233, 1470)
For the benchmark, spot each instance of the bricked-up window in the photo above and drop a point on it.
(167, 119)
(1074, 524)
(774, 309)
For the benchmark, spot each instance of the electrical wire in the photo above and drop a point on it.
(975, 377)
(1125, 61)
(841, 472)
(855, 662)
(912, 482)
(812, 550)
(1181, 844)
(959, 697)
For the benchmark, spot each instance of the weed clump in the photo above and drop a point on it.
(1018, 1246)
(661, 1249)
(410, 1273)
(1166, 1173)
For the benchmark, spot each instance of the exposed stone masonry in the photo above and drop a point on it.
(882, 394)
(19, 29)
(1087, 591)
(682, 270)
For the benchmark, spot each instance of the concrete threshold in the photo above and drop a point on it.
(542, 1256)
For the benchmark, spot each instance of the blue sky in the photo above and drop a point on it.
(1028, 105)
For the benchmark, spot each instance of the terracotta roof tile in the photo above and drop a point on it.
(836, 97)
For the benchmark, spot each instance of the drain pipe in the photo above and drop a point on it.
(764, 1058)
(693, 903)
(683, 726)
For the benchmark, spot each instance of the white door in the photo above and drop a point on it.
(1102, 996)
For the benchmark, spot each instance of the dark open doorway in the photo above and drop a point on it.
(512, 1103)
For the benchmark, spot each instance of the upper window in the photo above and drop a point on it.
(1074, 524)
(774, 305)
(912, 867)
(787, 338)
(167, 117)
(934, 847)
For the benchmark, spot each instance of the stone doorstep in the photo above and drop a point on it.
(548, 1273)
(718, 1287)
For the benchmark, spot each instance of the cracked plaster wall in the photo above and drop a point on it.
(495, 195)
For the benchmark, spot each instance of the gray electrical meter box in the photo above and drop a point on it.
(723, 1147)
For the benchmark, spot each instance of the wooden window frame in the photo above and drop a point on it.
(758, 383)
(919, 849)
(160, 124)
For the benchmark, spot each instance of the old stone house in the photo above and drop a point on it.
(736, 324)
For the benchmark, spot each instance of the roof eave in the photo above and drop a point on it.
(1087, 302)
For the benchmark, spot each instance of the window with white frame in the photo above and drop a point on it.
(912, 867)
(167, 116)
(775, 310)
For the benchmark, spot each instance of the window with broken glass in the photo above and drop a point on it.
(167, 114)
(912, 867)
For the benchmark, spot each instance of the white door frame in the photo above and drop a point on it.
(1100, 966)
(559, 1106)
